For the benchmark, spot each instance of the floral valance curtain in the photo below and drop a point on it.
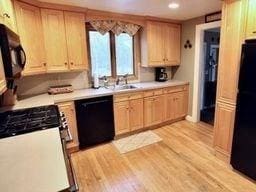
(117, 27)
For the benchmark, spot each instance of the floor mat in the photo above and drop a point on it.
(136, 141)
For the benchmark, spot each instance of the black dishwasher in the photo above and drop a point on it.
(95, 121)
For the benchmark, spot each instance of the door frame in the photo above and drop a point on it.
(198, 66)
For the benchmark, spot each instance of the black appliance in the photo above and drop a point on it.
(243, 156)
(160, 74)
(95, 121)
(24, 121)
(13, 55)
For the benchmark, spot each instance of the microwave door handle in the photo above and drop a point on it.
(23, 61)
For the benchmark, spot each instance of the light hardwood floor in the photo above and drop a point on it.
(182, 162)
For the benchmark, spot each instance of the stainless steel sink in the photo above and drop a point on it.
(124, 87)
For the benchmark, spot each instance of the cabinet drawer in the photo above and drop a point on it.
(126, 97)
(175, 89)
(153, 92)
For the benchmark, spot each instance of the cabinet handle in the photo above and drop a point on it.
(66, 63)
(254, 32)
(72, 63)
(44, 64)
(6, 15)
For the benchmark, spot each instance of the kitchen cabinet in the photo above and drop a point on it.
(251, 19)
(122, 117)
(128, 111)
(160, 43)
(7, 14)
(76, 40)
(2, 76)
(65, 41)
(68, 109)
(136, 114)
(223, 130)
(31, 37)
(232, 36)
(153, 110)
(55, 40)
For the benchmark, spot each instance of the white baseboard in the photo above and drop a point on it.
(190, 118)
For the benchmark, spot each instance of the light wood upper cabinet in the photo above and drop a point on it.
(230, 51)
(122, 117)
(7, 16)
(76, 40)
(251, 19)
(155, 42)
(55, 40)
(31, 34)
(160, 44)
(68, 109)
(136, 114)
(172, 44)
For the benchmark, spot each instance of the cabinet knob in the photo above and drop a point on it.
(6, 15)
(254, 32)
(66, 63)
(44, 64)
(71, 63)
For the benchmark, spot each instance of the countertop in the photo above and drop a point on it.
(45, 99)
(33, 162)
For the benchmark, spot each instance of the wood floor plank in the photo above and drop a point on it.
(182, 162)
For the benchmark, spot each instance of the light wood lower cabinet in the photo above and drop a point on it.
(68, 109)
(136, 114)
(122, 117)
(153, 110)
(223, 129)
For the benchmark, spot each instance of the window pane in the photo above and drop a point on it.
(124, 54)
(100, 53)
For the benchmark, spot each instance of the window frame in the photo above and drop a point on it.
(112, 45)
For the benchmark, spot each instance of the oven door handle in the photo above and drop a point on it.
(23, 57)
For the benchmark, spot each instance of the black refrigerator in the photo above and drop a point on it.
(243, 156)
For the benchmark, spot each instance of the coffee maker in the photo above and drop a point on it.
(160, 74)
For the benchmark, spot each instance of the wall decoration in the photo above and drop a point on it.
(213, 17)
(188, 45)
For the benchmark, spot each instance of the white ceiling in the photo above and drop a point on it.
(159, 8)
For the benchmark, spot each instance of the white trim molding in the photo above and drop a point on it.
(198, 66)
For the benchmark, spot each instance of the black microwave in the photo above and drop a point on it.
(13, 55)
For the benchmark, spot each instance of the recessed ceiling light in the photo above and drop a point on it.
(173, 5)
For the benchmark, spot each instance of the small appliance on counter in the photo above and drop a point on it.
(60, 89)
(13, 55)
(160, 74)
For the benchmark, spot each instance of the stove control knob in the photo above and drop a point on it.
(62, 114)
(63, 119)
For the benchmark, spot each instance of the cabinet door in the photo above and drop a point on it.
(7, 14)
(181, 104)
(172, 44)
(230, 51)
(223, 128)
(76, 40)
(251, 19)
(121, 111)
(31, 37)
(158, 109)
(148, 111)
(2, 76)
(136, 114)
(55, 40)
(169, 107)
(68, 109)
(155, 43)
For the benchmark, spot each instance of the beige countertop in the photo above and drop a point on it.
(33, 162)
(45, 99)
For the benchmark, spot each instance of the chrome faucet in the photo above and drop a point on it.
(125, 77)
